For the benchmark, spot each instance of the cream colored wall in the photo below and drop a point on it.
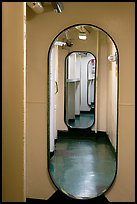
(118, 19)
(13, 186)
(102, 83)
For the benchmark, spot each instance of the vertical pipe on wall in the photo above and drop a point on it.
(96, 99)
(24, 69)
(52, 99)
(56, 84)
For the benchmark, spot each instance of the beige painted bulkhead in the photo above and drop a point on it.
(116, 18)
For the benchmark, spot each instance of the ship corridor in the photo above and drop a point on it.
(83, 163)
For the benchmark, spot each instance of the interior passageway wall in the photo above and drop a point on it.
(117, 18)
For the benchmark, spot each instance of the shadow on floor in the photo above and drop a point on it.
(61, 198)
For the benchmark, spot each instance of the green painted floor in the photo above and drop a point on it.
(83, 166)
(84, 120)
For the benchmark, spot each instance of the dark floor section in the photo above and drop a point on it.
(32, 200)
(84, 120)
(60, 198)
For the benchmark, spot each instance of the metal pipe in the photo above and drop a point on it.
(96, 100)
(58, 6)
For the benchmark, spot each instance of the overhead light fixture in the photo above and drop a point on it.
(58, 7)
(36, 7)
(83, 32)
(82, 36)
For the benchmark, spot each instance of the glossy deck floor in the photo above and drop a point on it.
(85, 120)
(83, 166)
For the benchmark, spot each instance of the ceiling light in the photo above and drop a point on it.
(36, 7)
(82, 36)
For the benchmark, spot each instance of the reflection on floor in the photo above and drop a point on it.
(84, 120)
(83, 166)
